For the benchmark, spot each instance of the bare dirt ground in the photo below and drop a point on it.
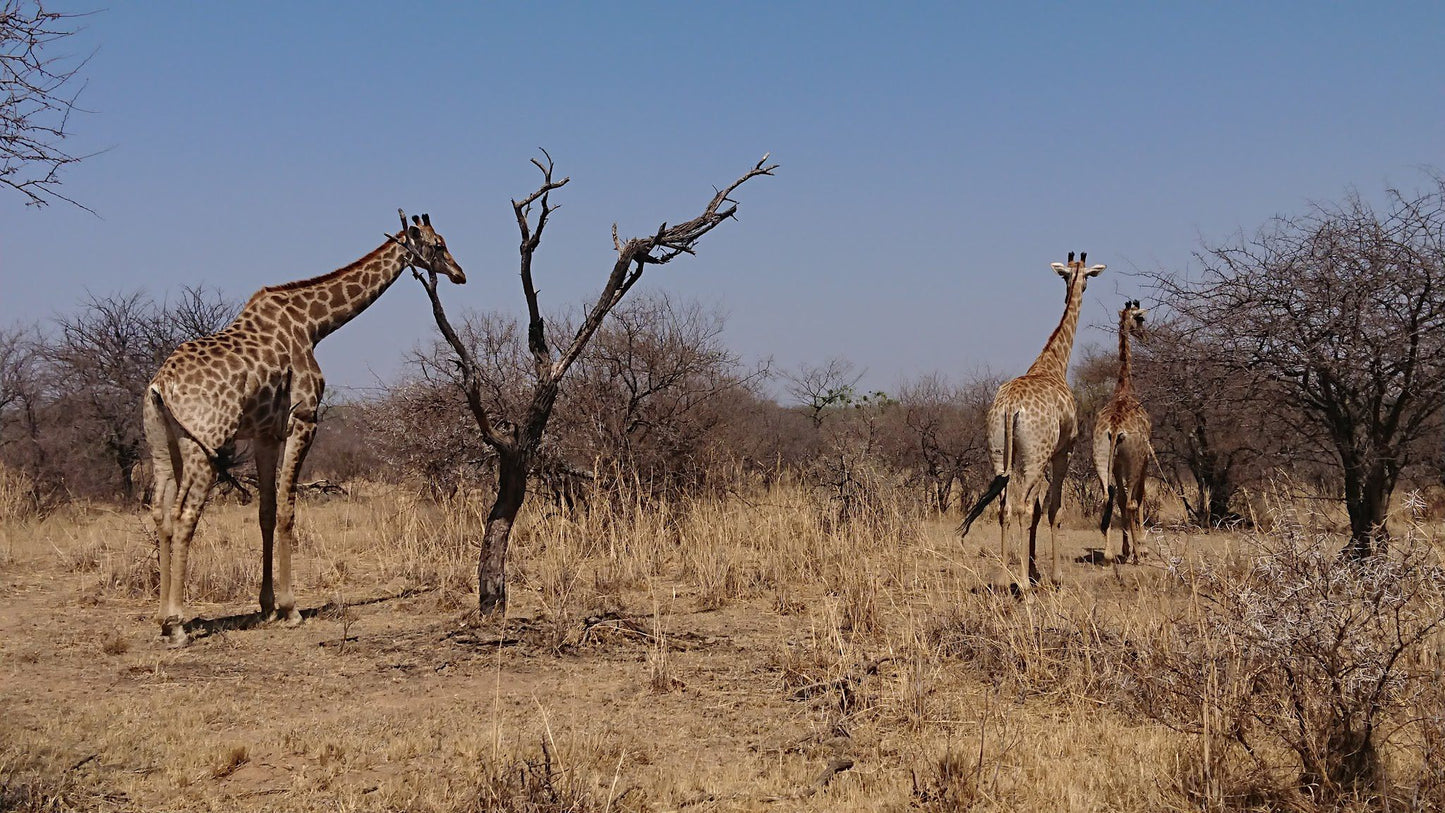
(716, 663)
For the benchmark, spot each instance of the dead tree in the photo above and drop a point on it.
(517, 442)
(38, 90)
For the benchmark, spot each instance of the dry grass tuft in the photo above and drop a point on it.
(115, 643)
(229, 760)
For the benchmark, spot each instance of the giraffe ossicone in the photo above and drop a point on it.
(258, 380)
(1032, 424)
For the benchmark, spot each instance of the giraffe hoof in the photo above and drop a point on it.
(290, 618)
(173, 633)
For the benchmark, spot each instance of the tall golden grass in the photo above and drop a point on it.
(872, 635)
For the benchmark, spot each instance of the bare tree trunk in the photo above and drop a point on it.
(492, 562)
(1367, 499)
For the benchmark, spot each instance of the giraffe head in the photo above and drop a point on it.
(430, 250)
(1131, 318)
(1075, 272)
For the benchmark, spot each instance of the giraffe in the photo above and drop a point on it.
(258, 379)
(1121, 447)
(1031, 429)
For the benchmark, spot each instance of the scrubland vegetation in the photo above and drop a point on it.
(735, 650)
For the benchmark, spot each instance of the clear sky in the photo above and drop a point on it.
(935, 157)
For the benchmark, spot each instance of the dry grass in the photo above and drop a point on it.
(722, 654)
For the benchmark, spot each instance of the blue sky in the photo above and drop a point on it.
(935, 157)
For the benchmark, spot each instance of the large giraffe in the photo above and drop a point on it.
(258, 379)
(1031, 429)
(1121, 447)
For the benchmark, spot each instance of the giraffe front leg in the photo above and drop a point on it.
(298, 442)
(267, 452)
(1121, 497)
(1135, 523)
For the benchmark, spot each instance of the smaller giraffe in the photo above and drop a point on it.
(1121, 448)
(1032, 425)
(258, 379)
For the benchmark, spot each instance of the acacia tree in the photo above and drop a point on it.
(1342, 312)
(818, 389)
(518, 439)
(38, 90)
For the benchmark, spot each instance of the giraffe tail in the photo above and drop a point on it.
(221, 459)
(1000, 481)
(994, 489)
(170, 418)
(1108, 512)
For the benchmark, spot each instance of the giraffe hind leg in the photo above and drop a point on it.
(197, 478)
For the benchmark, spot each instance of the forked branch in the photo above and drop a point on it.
(637, 253)
(531, 239)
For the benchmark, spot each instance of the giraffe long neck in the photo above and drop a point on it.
(323, 304)
(1126, 358)
(1054, 360)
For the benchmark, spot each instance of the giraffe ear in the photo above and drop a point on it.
(413, 232)
(1061, 268)
(1094, 270)
(425, 219)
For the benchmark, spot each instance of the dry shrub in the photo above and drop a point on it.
(1427, 503)
(41, 780)
(1047, 644)
(115, 643)
(535, 785)
(229, 760)
(17, 496)
(1298, 656)
(951, 784)
(853, 492)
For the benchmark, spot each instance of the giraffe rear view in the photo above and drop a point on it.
(1031, 429)
(258, 379)
(1121, 447)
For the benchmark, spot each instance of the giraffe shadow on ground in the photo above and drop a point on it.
(1092, 556)
(199, 627)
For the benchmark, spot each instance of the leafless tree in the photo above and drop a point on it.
(1343, 311)
(517, 440)
(942, 440)
(102, 359)
(22, 402)
(646, 395)
(38, 91)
